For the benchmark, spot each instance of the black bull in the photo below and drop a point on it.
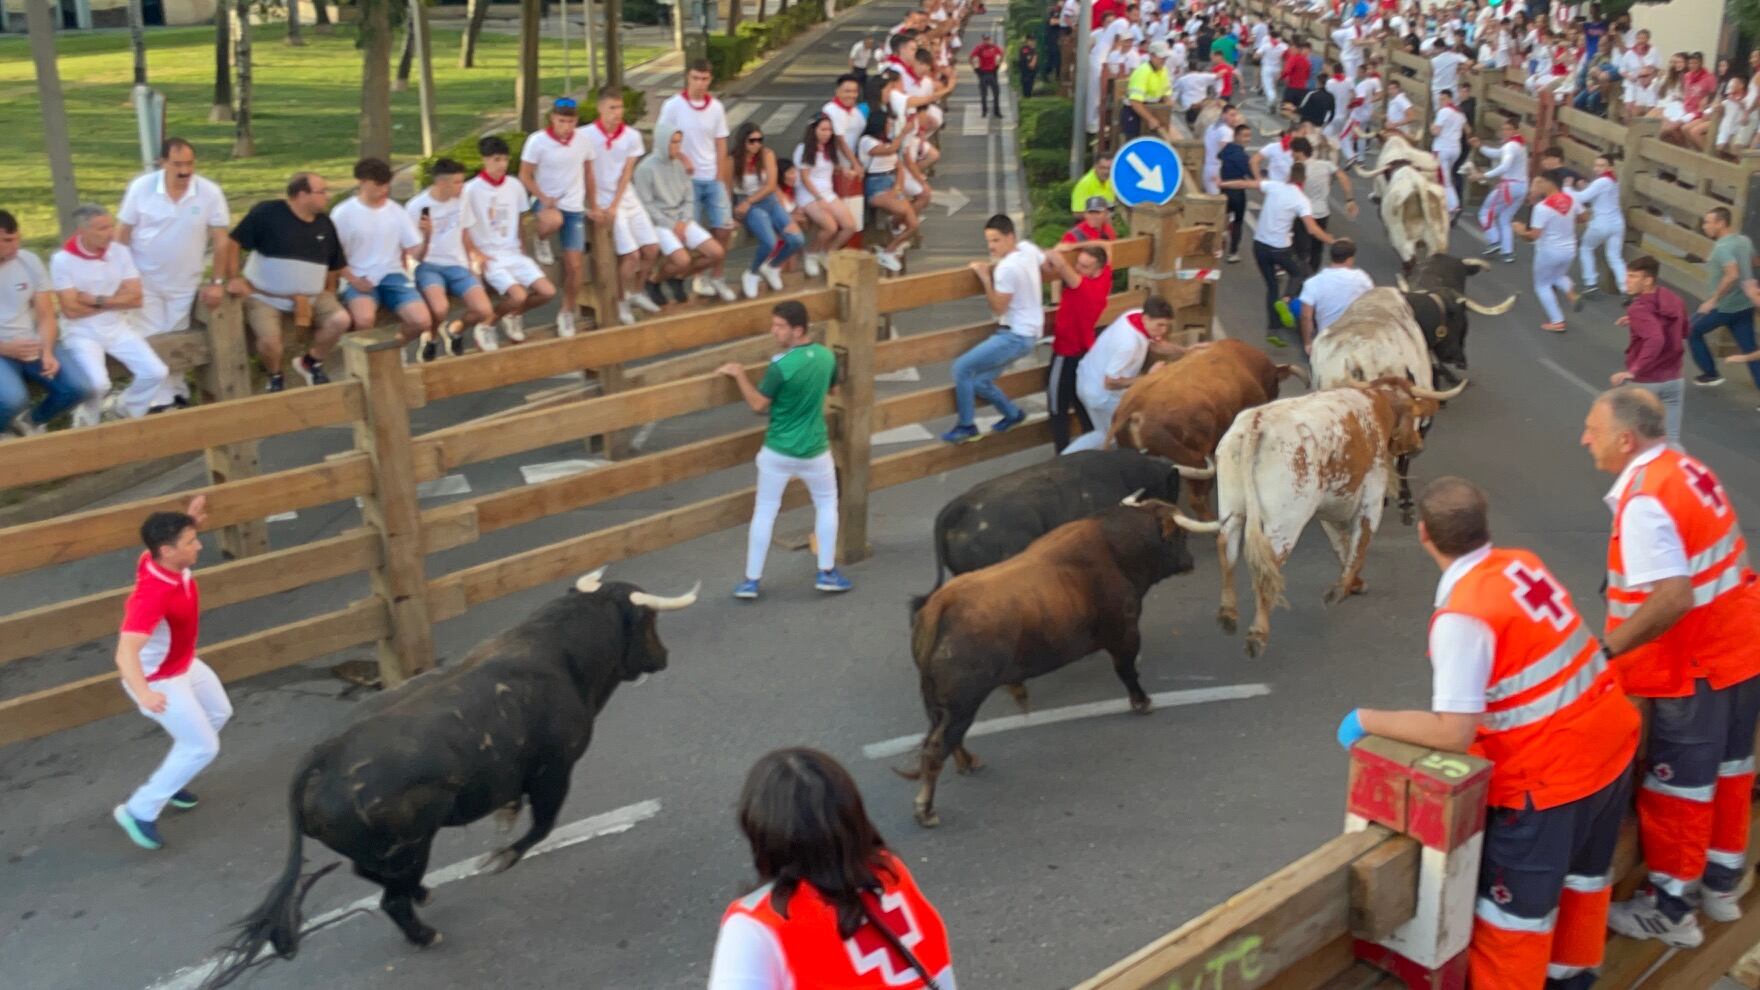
(1437, 294)
(506, 723)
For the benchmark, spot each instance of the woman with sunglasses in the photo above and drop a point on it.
(756, 204)
(816, 159)
(837, 908)
(883, 188)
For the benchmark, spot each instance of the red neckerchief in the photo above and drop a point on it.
(1285, 139)
(708, 98)
(610, 138)
(1136, 322)
(78, 250)
(1518, 140)
(486, 177)
(1559, 203)
(846, 106)
(1374, 75)
(1610, 177)
(1448, 106)
(899, 62)
(564, 141)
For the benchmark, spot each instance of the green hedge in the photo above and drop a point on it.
(730, 54)
(1047, 122)
(465, 151)
(1045, 166)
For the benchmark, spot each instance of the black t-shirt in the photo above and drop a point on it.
(289, 256)
(1317, 107)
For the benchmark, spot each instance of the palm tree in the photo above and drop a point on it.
(375, 34)
(294, 38)
(244, 143)
(467, 46)
(222, 109)
(137, 40)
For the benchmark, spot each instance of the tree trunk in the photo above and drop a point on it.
(137, 40)
(614, 43)
(467, 46)
(407, 58)
(244, 144)
(525, 87)
(294, 37)
(375, 33)
(42, 18)
(418, 18)
(321, 21)
(760, 11)
(222, 109)
(733, 12)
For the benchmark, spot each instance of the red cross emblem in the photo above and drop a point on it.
(1538, 596)
(1704, 484)
(869, 951)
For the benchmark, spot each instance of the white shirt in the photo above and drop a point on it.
(1450, 124)
(1445, 70)
(1282, 209)
(494, 215)
(1630, 62)
(1192, 87)
(861, 56)
(1368, 91)
(1399, 111)
(1017, 275)
(169, 237)
(559, 170)
(449, 219)
(1641, 95)
(1558, 231)
(1512, 162)
(1342, 91)
(1462, 647)
(1318, 186)
(1118, 352)
(1277, 161)
(1215, 139)
(1332, 291)
(1602, 197)
(1271, 57)
(1650, 545)
(701, 125)
(608, 160)
(846, 124)
(94, 276)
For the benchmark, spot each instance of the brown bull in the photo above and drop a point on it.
(1181, 409)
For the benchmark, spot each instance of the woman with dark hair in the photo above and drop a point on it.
(755, 204)
(837, 908)
(816, 161)
(878, 149)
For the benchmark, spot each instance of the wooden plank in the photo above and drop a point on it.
(1606, 134)
(1668, 233)
(89, 699)
(226, 376)
(1701, 165)
(1321, 967)
(945, 345)
(98, 531)
(1257, 934)
(1514, 101)
(938, 458)
(923, 405)
(1384, 889)
(64, 453)
(948, 284)
(617, 345)
(856, 274)
(181, 350)
(748, 351)
(1650, 188)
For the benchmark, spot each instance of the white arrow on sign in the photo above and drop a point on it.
(953, 199)
(1148, 178)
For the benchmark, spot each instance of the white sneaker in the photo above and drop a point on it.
(485, 337)
(889, 261)
(541, 252)
(1719, 906)
(1640, 918)
(625, 315)
(641, 301)
(701, 286)
(565, 324)
(749, 283)
(810, 265)
(112, 408)
(87, 413)
(24, 426)
(724, 290)
(513, 325)
(772, 276)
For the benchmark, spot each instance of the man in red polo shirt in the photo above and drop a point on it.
(156, 655)
(987, 59)
(1094, 225)
(1086, 274)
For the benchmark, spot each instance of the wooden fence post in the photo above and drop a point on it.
(1437, 798)
(1631, 165)
(400, 580)
(851, 336)
(606, 290)
(227, 375)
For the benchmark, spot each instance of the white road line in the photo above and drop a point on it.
(781, 117)
(640, 440)
(1569, 376)
(574, 833)
(972, 123)
(551, 470)
(283, 517)
(901, 375)
(1115, 706)
(737, 116)
(452, 484)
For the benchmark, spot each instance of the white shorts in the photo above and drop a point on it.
(631, 230)
(505, 271)
(694, 236)
(164, 312)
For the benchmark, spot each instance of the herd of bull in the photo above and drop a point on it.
(1050, 564)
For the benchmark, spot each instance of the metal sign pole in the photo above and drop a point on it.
(1078, 134)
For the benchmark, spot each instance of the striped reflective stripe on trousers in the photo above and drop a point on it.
(1550, 703)
(1493, 914)
(1672, 886)
(1736, 768)
(1587, 884)
(1727, 860)
(1541, 670)
(1697, 795)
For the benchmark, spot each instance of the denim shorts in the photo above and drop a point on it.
(393, 292)
(457, 279)
(573, 235)
(714, 209)
(878, 185)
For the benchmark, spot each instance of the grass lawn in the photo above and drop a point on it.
(305, 109)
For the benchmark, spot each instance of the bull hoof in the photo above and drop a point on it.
(909, 773)
(434, 938)
(967, 762)
(1228, 620)
(1142, 706)
(927, 818)
(503, 860)
(1255, 645)
(423, 937)
(423, 896)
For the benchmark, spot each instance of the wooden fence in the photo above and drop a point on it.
(388, 460)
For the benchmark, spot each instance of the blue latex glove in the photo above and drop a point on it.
(1350, 730)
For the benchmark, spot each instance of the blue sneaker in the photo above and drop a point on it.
(143, 834)
(184, 800)
(961, 434)
(1007, 423)
(747, 589)
(832, 580)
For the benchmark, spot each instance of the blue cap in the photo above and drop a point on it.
(565, 104)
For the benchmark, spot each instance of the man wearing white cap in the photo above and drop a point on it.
(1148, 86)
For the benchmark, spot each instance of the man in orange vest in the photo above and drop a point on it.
(1683, 610)
(1520, 681)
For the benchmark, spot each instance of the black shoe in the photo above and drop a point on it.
(180, 401)
(155, 410)
(277, 383)
(675, 288)
(656, 293)
(430, 347)
(311, 370)
(454, 334)
(1708, 380)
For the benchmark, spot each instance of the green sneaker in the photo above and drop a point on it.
(184, 800)
(143, 834)
(1284, 316)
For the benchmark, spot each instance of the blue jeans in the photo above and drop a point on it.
(768, 222)
(393, 292)
(975, 371)
(1741, 327)
(714, 208)
(67, 389)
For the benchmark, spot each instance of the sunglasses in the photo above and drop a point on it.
(755, 139)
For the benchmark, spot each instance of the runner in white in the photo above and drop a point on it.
(1606, 231)
(1220, 133)
(1362, 112)
(1509, 186)
(1447, 132)
(1399, 110)
(96, 283)
(1554, 232)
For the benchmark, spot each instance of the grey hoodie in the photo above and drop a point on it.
(663, 184)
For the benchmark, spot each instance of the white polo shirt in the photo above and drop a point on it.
(1191, 88)
(611, 152)
(73, 267)
(1331, 291)
(1450, 123)
(374, 238)
(1399, 111)
(1277, 161)
(169, 237)
(1557, 227)
(1445, 70)
(1650, 544)
(1118, 352)
(1282, 209)
(450, 220)
(495, 209)
(1017, 274)
(1462, 647)
(846, 124)
(21, 279)
(559, 169)
(701, 124)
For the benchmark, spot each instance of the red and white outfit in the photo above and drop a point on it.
(631, 229)
(1555, 217)
(111, 332)
(166, 608)
(1450, 125)
(493, 208)
(1342, 91)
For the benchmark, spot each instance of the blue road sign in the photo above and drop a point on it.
(1147, 170)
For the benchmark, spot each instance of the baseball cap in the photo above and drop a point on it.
(1096, 203)
(1160, 50)
(566, 106)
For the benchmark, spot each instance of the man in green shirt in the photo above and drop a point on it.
(1726, 305)
(1229, 46)
(796, 445)
(1098, 182)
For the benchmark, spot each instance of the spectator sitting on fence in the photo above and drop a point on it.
(1013, 287)
(378, 238)
(494, 206)
(610, 199)
(757, 202)
(294, 248)
(445, 270)
(552, 167)
(698, 115)
(847, 114)
(878, 149)
(816, 159)
(96, 283)
(913, 159)
(665, 187)
(29, 350)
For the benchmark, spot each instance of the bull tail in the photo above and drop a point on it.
(1261, 557)
(925, 635)
(276, 922)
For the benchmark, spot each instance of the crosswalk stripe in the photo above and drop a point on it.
(782, 116)
(739, 113)
(971, 124)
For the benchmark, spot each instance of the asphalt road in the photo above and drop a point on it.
(1081, 841)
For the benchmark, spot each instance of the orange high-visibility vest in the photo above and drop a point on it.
(1717, 638)
(819, 958)
(1556, 726)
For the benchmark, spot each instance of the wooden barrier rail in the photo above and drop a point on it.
(387, 462)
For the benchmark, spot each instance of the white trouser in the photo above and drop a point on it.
(1268, 83)
(1552, 275)
(166, 312)
(135, 354)
(1498, 213)
(1100, 410)
(1610, 239)
(196, 708)
(1213, 179)
(1447, 157)
(1093, 94)
(820, 477)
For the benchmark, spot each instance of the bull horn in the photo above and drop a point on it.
(1293, 370)
(1204, 473)
(1375, 174)
(589, 583)
(1135, 499)
(1483, 310)
(1476, 264)
(1430, 393)
(1399, 279)
(1191, 525)
(662, 604)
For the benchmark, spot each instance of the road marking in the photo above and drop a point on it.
(1114, 706)
(972, 122)
(574, 833)
(782, 116)
(914, 433)
(283, 517)
(901, 375)
(452, 484)
(1569, 376)
(640, 440)
(551, 470)
(740, 112)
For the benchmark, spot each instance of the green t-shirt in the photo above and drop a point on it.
(1228, 46)
(795, 384)
(1736, 248)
